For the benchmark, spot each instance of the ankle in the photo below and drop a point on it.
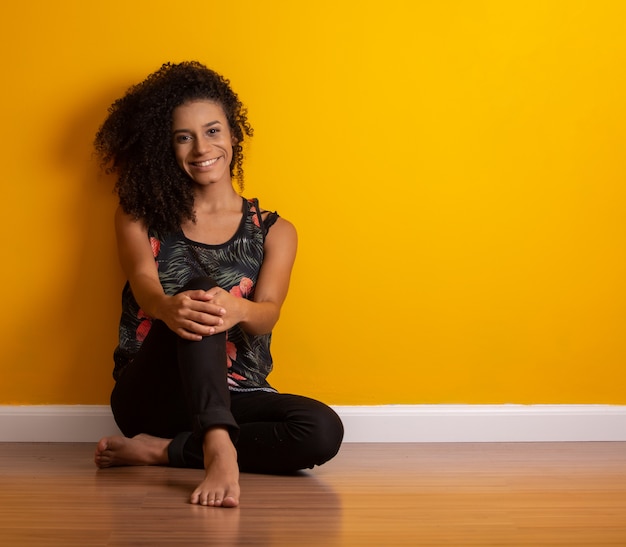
(217, 435)
(217, 443)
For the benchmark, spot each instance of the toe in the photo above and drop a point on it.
(229, 502)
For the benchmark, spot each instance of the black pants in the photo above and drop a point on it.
(177, 389)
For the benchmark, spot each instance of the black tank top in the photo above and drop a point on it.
(235, 267)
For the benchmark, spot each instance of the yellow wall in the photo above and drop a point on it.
(455, 170)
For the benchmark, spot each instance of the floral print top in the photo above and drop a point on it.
(235, 267)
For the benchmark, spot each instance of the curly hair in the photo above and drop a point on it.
(135, 142)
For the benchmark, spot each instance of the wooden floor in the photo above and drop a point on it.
(535, 494)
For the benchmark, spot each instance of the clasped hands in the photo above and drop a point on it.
(197, 313)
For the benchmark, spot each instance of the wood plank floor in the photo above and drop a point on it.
(569, 494)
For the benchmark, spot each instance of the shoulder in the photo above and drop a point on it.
(281, 236)
(127, 224)
(267, 218)
(271, 219)
(283, 225)
(282, 233)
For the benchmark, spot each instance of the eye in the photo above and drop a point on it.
(182, 139)
(213, 131)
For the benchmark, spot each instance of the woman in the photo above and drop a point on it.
(208, 272)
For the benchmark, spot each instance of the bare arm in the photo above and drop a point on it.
(259, 316)
(189, 314)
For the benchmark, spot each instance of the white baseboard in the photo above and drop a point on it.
(484, 423)
(387, 423)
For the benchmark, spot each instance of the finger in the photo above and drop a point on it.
(211, 309)
(203, 306)
(214, 292)
(186, 335)
(205, 319)
(198, 294)
(194, 331)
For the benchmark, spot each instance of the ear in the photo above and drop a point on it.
(234, 140)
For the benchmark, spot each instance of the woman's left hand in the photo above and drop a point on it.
(234, 306)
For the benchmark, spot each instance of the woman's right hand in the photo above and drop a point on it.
(190, 314)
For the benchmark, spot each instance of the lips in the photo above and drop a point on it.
(205, 163)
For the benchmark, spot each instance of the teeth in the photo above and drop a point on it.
(206, 163)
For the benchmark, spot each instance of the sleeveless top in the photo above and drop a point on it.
(235, 267)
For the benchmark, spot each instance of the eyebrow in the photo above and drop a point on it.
(205, 126)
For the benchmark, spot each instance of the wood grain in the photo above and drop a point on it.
(569, 494)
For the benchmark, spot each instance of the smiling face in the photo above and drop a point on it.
(203, 143)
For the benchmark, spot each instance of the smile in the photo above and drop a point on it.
(206, 163)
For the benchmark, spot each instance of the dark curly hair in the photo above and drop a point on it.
(135, 142)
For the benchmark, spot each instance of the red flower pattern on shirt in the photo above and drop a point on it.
(231, 353)
(156, 246)
(255, 216)
(243, 289)
(144, 327)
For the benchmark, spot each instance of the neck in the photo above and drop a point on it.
(216, 198)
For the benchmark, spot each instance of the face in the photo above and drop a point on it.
(202, 142)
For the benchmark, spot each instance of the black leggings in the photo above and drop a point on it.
(177, 389)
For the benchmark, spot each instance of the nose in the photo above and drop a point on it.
(201, 146)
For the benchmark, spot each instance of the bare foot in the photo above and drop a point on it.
(220, 487)
(139, 450)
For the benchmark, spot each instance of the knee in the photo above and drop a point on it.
(199, 283)
(326, 435)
